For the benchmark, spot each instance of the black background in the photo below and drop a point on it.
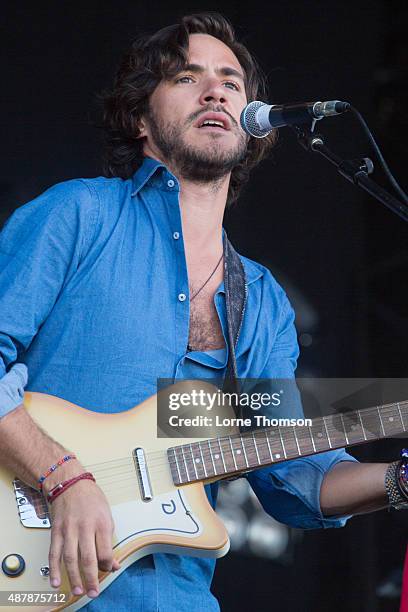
(340, 255)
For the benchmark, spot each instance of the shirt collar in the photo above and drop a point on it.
(147, 170)
(253, 270)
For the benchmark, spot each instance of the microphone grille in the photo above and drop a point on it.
(248, 120)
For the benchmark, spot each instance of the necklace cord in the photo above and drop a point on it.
(208, 279)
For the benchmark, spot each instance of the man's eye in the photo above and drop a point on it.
(184, 79)
(234, 85)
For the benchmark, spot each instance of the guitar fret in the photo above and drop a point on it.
(400, 415)
(243, 448)
(372, 423)
(304, 441)
(227, 454)
(362, 426)
(198, 462)
(344, 428)
(297, 441)
(202, 459)
(212, 459)
(269, 446)
(311, 437)
(217, 458)
(232, 452)
(381, 423)
(194, 465)
(222, 455)
(261, 447)
(176, 464)
(404, 411)
(239, 452)
(185, 463)
(284, 443)
(190, 458)
(327, 433)
(281, 439)
(182, 465)
(319, 433)
(336, 430)
(256, 450)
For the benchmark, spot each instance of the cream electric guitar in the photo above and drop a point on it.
(155, 486)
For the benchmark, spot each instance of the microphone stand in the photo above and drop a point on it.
(354, 170)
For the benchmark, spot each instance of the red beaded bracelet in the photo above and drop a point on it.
(63, 486)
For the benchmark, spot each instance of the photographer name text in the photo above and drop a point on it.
(258, 419)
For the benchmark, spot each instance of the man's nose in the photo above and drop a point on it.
(213, 92)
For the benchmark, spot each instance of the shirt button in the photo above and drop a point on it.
(170, 183)
(176, 235)
(182, 297)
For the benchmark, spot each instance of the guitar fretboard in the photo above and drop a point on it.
(247, 451)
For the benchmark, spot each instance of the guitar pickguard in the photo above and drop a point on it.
(168, 513)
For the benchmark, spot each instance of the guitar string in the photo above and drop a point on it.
(127, 486)
(106, 479)
(158, 457)
(158, 461)
(164, 467)
(128, 480)
(161, 460)
(130, 483)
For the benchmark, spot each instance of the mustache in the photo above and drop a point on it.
(211, 109)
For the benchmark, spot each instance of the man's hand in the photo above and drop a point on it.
(81, 536)
(82, 526)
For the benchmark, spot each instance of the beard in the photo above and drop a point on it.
(206, 164)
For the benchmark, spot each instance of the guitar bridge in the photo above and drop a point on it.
(143, 474)
(31, 506)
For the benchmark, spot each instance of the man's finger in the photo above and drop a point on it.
(70, 556)
(104, 550)
(89, 563)
(54, 556)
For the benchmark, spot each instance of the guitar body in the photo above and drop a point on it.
(176, 519)
(137, 472)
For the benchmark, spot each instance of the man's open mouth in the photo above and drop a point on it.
(216, 124)
(214, 121)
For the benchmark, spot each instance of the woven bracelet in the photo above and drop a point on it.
(53, 468)
(63, 486)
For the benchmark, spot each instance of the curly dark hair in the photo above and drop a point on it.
(162, 55)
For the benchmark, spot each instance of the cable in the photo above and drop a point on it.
(376, 148)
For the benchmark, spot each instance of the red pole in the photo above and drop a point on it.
(404, 593)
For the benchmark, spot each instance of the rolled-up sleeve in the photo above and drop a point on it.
(290, 491)
(40, 247)
(12, 388)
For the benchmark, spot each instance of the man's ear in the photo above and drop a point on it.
(142, 128)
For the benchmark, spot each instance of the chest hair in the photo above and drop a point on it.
(205, 331)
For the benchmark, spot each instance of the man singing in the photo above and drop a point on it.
(107, 284)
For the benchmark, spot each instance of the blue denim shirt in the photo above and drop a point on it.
(94, 307)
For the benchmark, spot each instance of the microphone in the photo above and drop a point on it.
(258, 119)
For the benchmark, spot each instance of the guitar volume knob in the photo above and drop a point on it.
(13, 565)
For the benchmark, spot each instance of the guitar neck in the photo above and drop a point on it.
(238, 453)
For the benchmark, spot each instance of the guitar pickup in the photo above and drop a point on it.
(139, 459)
